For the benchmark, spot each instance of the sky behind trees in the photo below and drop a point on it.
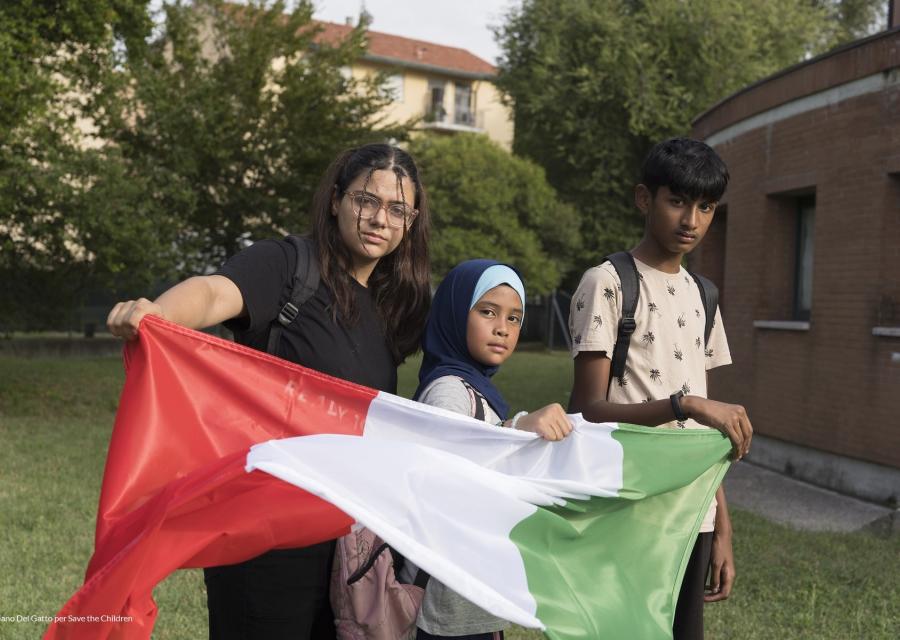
(461, 23)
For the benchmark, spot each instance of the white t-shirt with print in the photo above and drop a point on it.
(667, 350)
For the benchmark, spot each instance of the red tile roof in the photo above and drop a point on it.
(412, 52)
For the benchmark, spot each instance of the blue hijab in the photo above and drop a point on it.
(444, 341)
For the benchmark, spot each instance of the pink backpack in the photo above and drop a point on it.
(369, 602)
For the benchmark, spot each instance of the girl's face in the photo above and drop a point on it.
(493, 326)
(371, 238)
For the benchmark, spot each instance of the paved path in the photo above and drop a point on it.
(785, 500)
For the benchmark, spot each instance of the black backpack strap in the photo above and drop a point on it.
(421, 579)
(709, 294)
(364, 569)
(627, 271)
(303, 286)
(398, 558)
(477, 399)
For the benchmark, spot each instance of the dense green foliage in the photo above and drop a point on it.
(487, 203)
(51, 54)
(594, 83)
(242, 110)
(47, 44)
(144, 155)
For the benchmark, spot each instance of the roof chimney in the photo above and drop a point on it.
(348, 21)
(893, 14)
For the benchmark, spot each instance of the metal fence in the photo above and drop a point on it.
(547, 320)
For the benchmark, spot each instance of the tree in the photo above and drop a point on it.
(79, 219)
(243, 108)
(486, 203)
(47, 46)
(594, 83)
(848, 20)
(49, 55)
(138, 156)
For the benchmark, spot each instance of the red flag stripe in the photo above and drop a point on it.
(217, 515)
(175, 493)
(174, 417)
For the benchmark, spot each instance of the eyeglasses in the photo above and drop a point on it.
(367, 206)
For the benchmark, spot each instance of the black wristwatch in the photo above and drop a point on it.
(675, 398)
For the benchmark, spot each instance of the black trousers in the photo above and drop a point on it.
(689, 610)
(280, 595)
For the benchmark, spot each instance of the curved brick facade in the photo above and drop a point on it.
(824, 134)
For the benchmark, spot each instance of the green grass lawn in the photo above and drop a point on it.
(55, 420)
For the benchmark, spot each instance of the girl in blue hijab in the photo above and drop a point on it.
(472, 328)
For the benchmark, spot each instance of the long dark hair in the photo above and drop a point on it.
(400, 283)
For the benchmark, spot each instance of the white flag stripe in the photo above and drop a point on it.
(446, 490)
(448, 515)
(588, 462)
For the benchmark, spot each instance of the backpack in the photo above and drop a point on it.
(627, 271)
(478, 401)
(303, 286)
(368, 600)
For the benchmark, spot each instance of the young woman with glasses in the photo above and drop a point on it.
(370, 226)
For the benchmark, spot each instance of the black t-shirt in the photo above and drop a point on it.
(359, 353)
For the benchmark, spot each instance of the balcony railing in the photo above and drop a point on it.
(435, 114)
(437, 117)
(466, 117)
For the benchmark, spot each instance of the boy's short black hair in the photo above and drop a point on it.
(687, 167)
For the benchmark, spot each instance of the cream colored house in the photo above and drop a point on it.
(449, 89)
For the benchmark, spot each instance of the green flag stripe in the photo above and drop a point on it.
(612, 568)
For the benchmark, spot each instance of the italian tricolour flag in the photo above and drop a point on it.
(220, 453)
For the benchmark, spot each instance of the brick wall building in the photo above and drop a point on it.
(806, 250)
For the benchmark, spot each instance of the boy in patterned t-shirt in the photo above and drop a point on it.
(667, 360)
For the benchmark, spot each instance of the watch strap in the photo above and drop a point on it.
(675, 399)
